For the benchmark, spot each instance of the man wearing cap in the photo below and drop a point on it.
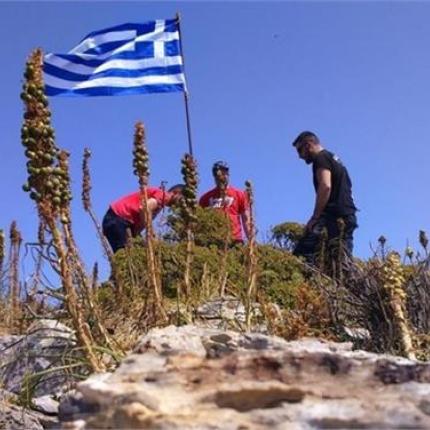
(232, 201)
(334, 205)
(128, 213)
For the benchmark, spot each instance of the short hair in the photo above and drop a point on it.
(220, 165)
(304, 136)
(175, 187)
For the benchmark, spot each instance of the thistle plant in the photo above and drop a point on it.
(141, 170)
(188, 212)
(393, 284)
(140, 156)
(48, 185)
(423, 240)
(252, 256)
(86, 181)
(189, 201)
(86, 202)
(382, 241)
(409, 253)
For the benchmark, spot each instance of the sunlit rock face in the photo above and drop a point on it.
(196, 378)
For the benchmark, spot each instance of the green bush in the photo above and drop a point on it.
(211, 229)
(287, 234)
(279, 273)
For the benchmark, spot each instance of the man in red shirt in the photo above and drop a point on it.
(232, 201)
(128, 213)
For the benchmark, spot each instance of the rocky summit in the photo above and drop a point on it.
(200, 378)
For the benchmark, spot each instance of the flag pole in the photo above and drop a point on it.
(186, 96)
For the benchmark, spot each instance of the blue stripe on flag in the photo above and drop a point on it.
(172, 48)
(113, 91)
(58, 72)
(170, 26)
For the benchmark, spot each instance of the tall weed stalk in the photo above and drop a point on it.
(141, 170)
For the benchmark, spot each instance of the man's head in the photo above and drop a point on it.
(307, 145)
(174, 194)
(220, 172)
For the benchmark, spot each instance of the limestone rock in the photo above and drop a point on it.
(41, 349)
(225, 313)
(13, 417)
(195, 378)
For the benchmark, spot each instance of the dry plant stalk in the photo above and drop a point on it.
(252, 256)
(340, 251)
(2, 250)
(39, 261)
(141, 170)
(188, 212)
(14, 285)
(48, 187)
(81, 278)
(393, 281)
(86, 202)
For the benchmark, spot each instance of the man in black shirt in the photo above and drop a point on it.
(334, 201)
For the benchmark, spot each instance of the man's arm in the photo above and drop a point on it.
(323, 195)
(153, 208)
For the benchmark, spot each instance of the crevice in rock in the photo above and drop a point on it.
(248, 399)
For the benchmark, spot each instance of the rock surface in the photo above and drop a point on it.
(44, 347)
(27, 364)
(13, 417)
(196, 378)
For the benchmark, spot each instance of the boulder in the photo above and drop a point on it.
(29, 361)
(199, 378)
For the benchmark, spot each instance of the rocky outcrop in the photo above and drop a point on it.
(196, 378)
(44, 348)
(32, 366)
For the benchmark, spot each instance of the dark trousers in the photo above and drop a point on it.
(309, 244)
(115, 230)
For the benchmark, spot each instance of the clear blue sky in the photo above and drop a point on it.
(356, 73)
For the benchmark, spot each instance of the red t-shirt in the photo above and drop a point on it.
(235, 204)
(129, 207)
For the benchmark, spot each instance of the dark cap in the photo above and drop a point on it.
(219, 165)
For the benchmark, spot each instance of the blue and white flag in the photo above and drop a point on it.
(126, 59)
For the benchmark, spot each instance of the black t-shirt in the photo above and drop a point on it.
(341, 202)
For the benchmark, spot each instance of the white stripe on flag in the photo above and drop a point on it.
(112, 64)
(159, 44)
(165, 37)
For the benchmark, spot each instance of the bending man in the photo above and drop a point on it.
(128, 213)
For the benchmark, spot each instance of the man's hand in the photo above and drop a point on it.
(311, 223)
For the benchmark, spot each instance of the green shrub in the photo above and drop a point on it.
(287, 234)
(279, 273)
(212, 228)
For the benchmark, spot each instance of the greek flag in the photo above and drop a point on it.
(126, 59)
